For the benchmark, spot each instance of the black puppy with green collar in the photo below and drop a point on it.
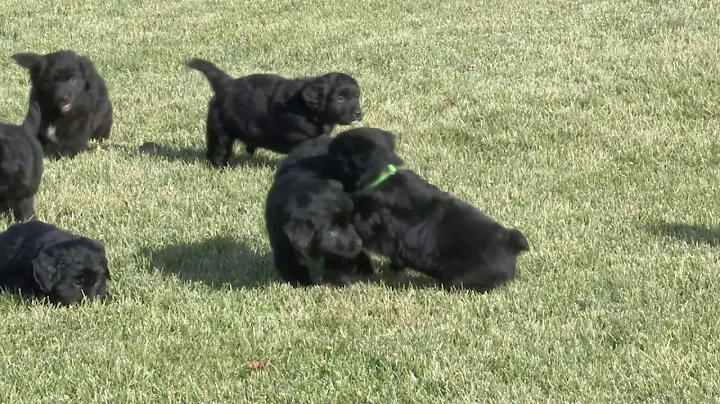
(403, 217)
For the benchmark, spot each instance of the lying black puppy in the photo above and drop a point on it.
(308, 217)
(41, 260)
(271, 112)
(401, 216)
(21, 165)
(73, 99)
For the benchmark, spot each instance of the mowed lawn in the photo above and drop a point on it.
(592, 127)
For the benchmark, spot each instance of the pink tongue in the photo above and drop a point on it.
(64, 107)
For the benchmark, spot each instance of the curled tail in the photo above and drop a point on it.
(218, 79)
(31, 124)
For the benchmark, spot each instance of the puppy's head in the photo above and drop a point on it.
(72, 270)
(322, 225)
(358, 156)
(60, 78)
(335, 97)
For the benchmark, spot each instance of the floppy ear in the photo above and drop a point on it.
(388, 140)
(45, 272)
(88, 71)
(30, 61)
(300, 235)
(315, 94)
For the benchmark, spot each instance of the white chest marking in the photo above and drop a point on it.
(52, 133)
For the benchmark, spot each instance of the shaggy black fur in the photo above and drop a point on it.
(271, 112)
(73, 99)
(417, 225)
(21, 165)
(308, 217)
(40, 260)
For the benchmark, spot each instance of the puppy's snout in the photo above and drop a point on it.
(64, 97)
(358, 114)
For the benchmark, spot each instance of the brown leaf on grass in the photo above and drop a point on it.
(676, 24)
(257, 365)
(449, 103)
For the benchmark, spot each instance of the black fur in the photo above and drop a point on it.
(417, 225)
(271, 112)
(21, 165)
(40, 260)
(73, 100)
(308, 218)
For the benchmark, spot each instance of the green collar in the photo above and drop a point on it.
(387, 173)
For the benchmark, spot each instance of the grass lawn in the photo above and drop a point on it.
(591, 126)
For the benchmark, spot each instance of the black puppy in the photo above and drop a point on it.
(308, 217)
(271, 112)
(21, 165)
(41, 260)
(73, 99)
(403, 217)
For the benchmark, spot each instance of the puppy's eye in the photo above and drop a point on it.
(340, 99)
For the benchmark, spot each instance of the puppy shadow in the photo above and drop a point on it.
(217, 262)
(690, 233)
(195, 156)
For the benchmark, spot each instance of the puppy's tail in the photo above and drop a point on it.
(218, 79)
(31, 124)
(515, 239)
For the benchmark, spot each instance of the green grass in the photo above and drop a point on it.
(591, 126)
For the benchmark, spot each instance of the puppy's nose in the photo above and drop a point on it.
(358, 114)
(64, 97)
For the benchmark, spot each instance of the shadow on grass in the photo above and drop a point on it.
(195, 156)
(223, 261)
(690, 233)
(216, 262)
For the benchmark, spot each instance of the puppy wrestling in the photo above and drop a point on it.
(73, 99)
(271, 112)
(21, 165)
(43, 261)
(308, 218)
(401, 216)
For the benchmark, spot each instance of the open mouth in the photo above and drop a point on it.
(355, 122)
(64, 107)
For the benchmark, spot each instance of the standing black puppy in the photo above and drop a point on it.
(271, 112)
(403, 217)
(308, 217)
(41, 260)
(73, 99)
(21, 165)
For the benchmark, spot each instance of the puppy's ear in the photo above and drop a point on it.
(87, 69)
(301, 236)
(45, 271)
(387, 139)
(30, 61)
(315, 94)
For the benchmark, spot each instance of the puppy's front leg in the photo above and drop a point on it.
(24, 210)
(338, 271)
(74, 141)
